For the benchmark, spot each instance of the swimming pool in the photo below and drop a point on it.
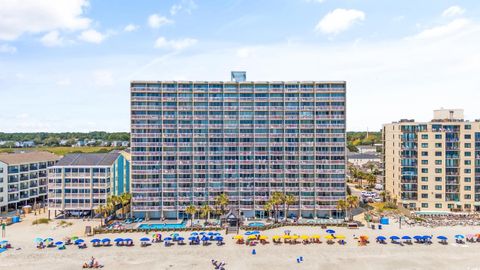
(256, 224)
(161, 226)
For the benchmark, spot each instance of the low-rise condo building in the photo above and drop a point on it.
(434, 166)
(23, 178)
(79, 183)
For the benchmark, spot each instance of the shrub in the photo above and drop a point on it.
(41, 221)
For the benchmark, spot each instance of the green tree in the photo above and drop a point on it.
(221, 201)
(276, 199)
(191, 210)
(289, 200)
(352, 203)
(205, 211)
(125, 200)
(342, 206)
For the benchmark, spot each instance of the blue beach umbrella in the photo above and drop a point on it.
(330, 231)
(219, 238)
(427, 237)
(211, 233)
(59, 243)
(194, 234)
(406, 237)
(128, 240)
(180, 238)
(95, 240)
(381, 238)
(459, 236)
(192, 238)
(204, 238)
(394, 237)
(144, 239)
(78, 241)
(118, 240)
(168, 239)
(255, 232)
(202, 233)
(418, 237)
(106, 240)
(38, 240)
(441, 237)
(248, 233)
(174, 235)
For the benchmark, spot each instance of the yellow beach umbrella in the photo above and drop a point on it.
(263, 237)
(295, 237)
(252, 237)
(238, 237)
(286, 236)
(340, 237)
(329, 237)
(304, 237)
(276, 237)
(316, 236)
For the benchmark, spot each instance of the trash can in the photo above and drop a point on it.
(379, 226)
(384, 221)
(15, 219)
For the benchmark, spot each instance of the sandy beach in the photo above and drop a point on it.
(270, 256)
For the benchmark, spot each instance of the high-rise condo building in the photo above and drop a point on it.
(434, 166)
(192, 141)
(23, 179)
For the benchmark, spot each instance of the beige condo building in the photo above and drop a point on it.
(433, 166)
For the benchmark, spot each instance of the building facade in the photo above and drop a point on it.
(23, 179)
(192, 141)
(79, 183)
(434, 166)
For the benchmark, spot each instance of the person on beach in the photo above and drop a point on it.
(4, 233)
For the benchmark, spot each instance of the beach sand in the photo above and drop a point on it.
(270, 256)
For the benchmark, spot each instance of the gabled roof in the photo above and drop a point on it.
(88, 159)
(28, 157)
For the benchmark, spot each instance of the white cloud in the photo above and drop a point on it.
(174, 44)
(186, 5)
(92, 36)
(453, 11)
(52, 39)
(103, 77)
(33, 16)
(5, 48)
(131, 28)
(156, 21)
(339, 20)
(443, 30)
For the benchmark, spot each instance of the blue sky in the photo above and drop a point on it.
(66, 65)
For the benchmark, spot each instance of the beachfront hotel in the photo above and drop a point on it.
(434, 166)
(23, 179)
(79, 183)
(192, 141)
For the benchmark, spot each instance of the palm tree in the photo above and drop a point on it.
(100, 210)
(371, 179)
(276, 200)
(205, 211)
(222, 202)
(191, 210)
(112, 202)
(268, 207)
(342, 206)
(289, 200)
(352, 202)
(125, 199)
